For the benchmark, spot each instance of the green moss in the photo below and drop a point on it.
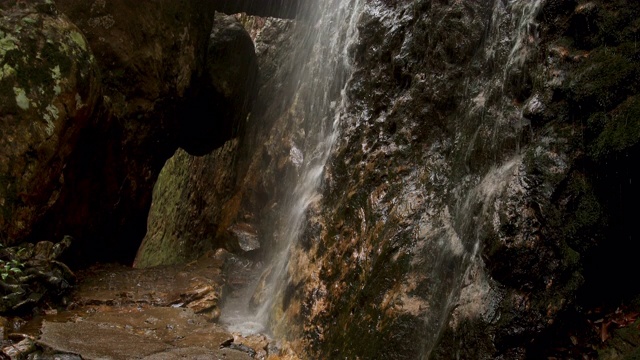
(29, 20)
(55, 56)
(7, 43)
(607, 23)
(633, 356)
(44, 71)
(616, 23)
(587, 209)
(620, 130)
(595, 125)
(79, 40)
(624, 343)
(21, 98)
(7, 72)
(46, 7)
(581, 218)
(161, 245)
(604, 80)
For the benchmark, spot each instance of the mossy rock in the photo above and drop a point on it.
(624, 344)
(604, 80)
(620, 129)
(48, 89)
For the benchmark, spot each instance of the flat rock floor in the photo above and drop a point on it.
(122, 313)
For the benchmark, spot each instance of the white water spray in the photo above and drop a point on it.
(324, 34)
(327, 68)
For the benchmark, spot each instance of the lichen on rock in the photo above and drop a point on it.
(45, 73)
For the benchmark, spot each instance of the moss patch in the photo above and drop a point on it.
(621, 129)
(21, 98)
(604, 80)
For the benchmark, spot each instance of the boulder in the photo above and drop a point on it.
(152, 61)
(198, 200)
(49, 88)
(218, 109)
(79, 153)
(168, 82)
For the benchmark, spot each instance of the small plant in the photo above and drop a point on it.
(11, 267)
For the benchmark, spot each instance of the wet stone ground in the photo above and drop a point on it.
(121, 313)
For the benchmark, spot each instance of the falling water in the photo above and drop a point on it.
(526, 31)
(512, 39)
(325, 48)
(324, 32)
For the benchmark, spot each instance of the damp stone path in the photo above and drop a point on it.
(117, 312)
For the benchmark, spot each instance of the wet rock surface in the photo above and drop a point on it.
(467, 209)
(122, 313)
(467, 203)
(196, 286)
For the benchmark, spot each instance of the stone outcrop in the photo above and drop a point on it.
(184, 216)
(165, 81)
(151, 60)
(465, 208)
(217, 110)
(199, 201)
(49, 88)
(466, 202)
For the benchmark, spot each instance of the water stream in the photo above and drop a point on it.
(324, 32)
(511, 39)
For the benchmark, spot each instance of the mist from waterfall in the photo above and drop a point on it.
(323, 33)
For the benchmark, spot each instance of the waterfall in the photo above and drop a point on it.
(511, 40)
(320, 92)
(445, 251)
(323, 33)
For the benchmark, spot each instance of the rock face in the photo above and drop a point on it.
(82, 152)
(466, 207)
(466, 201)
(185, 212)
(185, 217)
(48, 92)
(216, 112)
(151, 60)
(199, 201)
